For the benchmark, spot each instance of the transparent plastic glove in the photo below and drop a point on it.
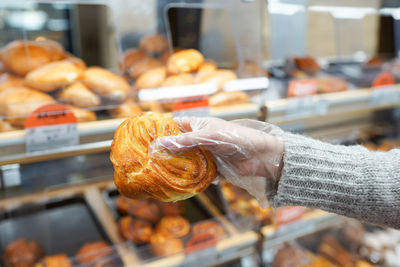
(248, 153)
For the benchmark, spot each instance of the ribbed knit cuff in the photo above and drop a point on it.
(345, 180)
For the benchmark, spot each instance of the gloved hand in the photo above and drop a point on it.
(248, 153)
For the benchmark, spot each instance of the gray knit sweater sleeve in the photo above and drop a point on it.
(351, 181)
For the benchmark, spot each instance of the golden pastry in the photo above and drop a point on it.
(22, 253)
(106, 83)
(173, 227)
(185, 61)
(151, 79)
(127, 109)
(228, 98)
(162, 246)
(142, 66)
(53, 75)
(205, 69)
(166, 177)
(8, 80)
(83, 115)
(178, 80)
(131, 57)
(155, 43)
(134, 230)
(79, 95)
(16, 103)
(58, 260)
(22, 57)
(218, 77)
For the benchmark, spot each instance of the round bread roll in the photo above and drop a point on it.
(16, 103)
(106, 83)
(79, 63)
(155, 43)
(167, 177)
(218, 77)
(173, 227)
(58, 260)
(54, 75)
(8, 80)
(131, 57)
(79, 95)
(151, 79)
(205, 69)
(22, 57)
(127, 109)
(93, 252)
(142, 66)
(137, 231)
(83, 115)
(22, 253)
(185, 61)
(162, 246)
(228, 98)
(178, 80)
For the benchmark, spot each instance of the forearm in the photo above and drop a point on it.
(346, 180)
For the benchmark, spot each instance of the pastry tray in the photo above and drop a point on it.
(60, 225)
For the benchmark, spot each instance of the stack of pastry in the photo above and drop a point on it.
(160, 224)
(36, 73)
(153, 66)
(244, 205)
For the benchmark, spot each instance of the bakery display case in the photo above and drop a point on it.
(80, 68)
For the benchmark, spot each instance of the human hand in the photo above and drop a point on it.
(248, 153)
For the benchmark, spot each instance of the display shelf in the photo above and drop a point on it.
(311, 222)
(96, 137)
(331, 115)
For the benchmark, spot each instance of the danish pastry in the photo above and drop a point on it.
(162, 246)
(166, 177)
(173, 227)
(136, 231)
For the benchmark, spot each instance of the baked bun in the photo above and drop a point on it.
(218, 77)
(185, 61)
(162, 246)
(228, 98)
(155, 43)
(178, 80)
(54, 75)
(79, 63)
(131, 57)
(205, 69)
(151, 79)
(94, 252)
(211, 227)
(137, 231)
(22, 57)
(58, 260)
(127, 109)
(173, 227)
(79, 95)
(83, 115)
(167, 177)
(16, 103)
(147, 210)
(106, 83)
(142, 66)
(22, 252)
(8, 80)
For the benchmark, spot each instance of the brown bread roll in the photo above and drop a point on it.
(205, 69)
(142, 66)
(106, 84)
(155, 43)
(54, 75)
(162, 246)
(184, 61)
(137, 231)
(83, 115)
(127, 109)
(178, 80)
(151, 79)
(79, 95)
(218, 77)
(22, 253)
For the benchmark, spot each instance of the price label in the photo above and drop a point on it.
(177, 92)
(194, 106)
(287, 215)
(383, 79)
(305, 87)
(384, 96)
(11, 175)
(50, 127)
(247, 84)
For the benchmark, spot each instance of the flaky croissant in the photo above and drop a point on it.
(167, 178)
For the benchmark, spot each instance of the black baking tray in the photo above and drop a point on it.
(60, 225)
(194, 212)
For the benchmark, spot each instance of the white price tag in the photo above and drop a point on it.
(192, 107)
(384, 96)
(300, 107)
(51, 137)
(248, 84)
(174, 92)
(11, 175)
